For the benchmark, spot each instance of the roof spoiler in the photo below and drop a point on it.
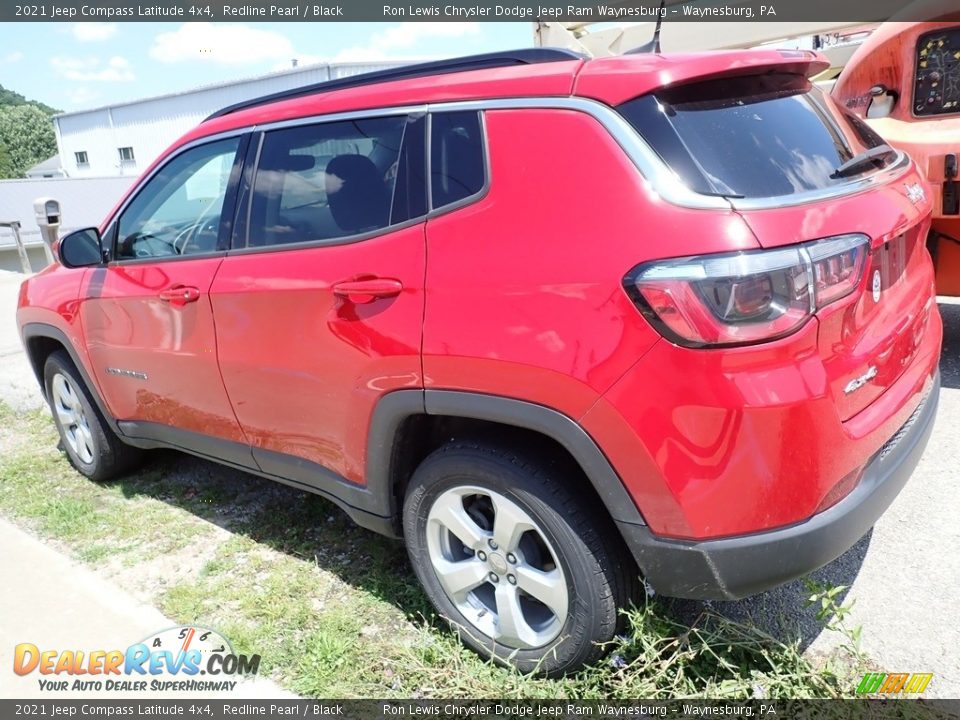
(617, 79)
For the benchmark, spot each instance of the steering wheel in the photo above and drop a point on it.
(145, 245)
(191, 232)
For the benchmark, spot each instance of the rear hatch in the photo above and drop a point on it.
(869, 339)
(800, 168)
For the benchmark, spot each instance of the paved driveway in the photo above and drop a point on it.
(904, 576)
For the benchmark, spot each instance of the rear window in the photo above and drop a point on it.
(752, 137)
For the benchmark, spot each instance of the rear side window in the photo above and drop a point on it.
(334, 180)
(457, 166)
(753, 137)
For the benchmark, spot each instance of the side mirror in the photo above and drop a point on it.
(80, 248)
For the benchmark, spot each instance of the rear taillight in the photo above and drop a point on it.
(746, 297)
(838, 265)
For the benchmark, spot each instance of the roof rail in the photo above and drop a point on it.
(525, 56)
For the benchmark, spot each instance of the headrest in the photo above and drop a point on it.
(362, 201)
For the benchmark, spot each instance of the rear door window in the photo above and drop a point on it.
(325, 182)
(457, 160)
(752, 137)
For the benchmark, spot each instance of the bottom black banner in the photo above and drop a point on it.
(473, 709)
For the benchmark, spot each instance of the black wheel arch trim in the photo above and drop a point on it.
(376, 505)
(43, 330)
(396, 407)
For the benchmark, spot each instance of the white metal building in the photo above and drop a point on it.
(102, 151)
(123, 139)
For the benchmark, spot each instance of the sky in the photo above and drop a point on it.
(73, 66)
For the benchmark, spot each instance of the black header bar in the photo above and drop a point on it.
(463, 10)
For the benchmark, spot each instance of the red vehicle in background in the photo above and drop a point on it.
(904, 81)
(702, 349)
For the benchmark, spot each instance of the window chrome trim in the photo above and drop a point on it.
(661, 178)
(154, 259)
(664, 181)
(342, 116)
(896, 169)
(431, 213)
(140, 183)
(328, 242)
(248, 249)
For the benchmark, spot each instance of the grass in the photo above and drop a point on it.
(333, 610)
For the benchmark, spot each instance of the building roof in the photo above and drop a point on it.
(310, 67)
(51, 164)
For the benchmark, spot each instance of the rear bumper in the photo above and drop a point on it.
(735, 567)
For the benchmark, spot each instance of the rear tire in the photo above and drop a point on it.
(86, 438)
(527, 572)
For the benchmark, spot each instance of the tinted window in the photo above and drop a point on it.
(457, 168)
(178, 211)
(759, 136)
(410, 196)
(334, 180)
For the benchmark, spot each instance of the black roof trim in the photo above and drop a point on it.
(526, 56)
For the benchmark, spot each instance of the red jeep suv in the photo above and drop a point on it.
(558, 323)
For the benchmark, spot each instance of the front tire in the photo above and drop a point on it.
(527, 572)
(89, 443)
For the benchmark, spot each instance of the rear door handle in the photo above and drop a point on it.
(180, 295)
(366, 291)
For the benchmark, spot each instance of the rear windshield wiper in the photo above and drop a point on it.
(864, 161)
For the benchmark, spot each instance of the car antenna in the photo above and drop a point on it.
(654, 45)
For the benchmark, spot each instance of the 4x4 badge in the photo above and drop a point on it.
(915, 193)
(859, 382)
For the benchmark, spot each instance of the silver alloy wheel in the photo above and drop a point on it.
(73, 419)
(497, 567)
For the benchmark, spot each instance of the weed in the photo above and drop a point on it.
(334, 610)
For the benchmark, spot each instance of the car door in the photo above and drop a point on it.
(147, 314)
(320, 304)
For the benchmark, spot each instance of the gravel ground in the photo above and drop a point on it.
(18, 386)
(903, 577)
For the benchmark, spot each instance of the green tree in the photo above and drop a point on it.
(10, 97)
(6, 166)
(27, 134)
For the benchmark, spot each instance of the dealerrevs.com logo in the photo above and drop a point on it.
(177, 659)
